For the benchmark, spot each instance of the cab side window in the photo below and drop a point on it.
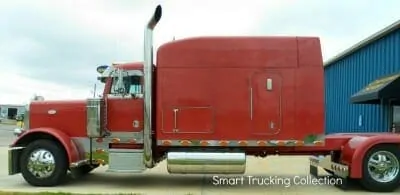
(132, 85)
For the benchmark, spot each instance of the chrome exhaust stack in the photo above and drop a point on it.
(148, 73)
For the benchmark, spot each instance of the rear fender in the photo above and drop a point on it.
(71, 149)
(354, 151)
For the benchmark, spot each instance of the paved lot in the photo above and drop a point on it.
(285, 170)
(6, 134)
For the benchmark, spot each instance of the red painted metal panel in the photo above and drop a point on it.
(310, 104)
(266, 103)
(229, 52)
(69, 116)
(188, 120)
(121, 114)
(217, 72)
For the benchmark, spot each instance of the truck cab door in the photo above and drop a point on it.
(125, 108)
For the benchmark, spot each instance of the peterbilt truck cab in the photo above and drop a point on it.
(122, 85)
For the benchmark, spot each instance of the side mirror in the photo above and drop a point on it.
(101, 69)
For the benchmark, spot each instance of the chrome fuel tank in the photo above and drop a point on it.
(206, 162)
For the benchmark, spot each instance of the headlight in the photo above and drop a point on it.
(18, 131)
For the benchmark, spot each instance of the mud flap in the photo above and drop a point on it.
(327, 164)
(14, 154)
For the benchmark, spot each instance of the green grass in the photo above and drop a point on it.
(61, 193)
(55, 193)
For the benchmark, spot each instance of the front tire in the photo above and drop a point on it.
(44, 163)
(381, 169)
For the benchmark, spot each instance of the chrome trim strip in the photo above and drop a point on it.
(102, 143)
(239, 143)
(251, 103)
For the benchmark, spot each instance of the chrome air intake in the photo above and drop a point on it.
(93, 117)
(206, 162)
(148, 72)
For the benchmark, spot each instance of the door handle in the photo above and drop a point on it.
(175, 120)
(251, 103)
(271, 125)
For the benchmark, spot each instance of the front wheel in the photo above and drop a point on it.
(44, 163)
(381, 169)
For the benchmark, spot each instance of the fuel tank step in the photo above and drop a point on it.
(126, 161)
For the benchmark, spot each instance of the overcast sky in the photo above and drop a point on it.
(52, 48)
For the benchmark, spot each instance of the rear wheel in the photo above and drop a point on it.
(381, 169)
(44, 163)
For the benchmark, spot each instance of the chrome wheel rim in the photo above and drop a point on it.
(41, 163)
(383, 166)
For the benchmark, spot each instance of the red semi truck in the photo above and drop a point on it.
(207, 104)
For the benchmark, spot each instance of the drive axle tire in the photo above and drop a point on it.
(381, 169)
(44, 163)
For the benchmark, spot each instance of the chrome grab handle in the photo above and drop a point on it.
(251, 103)
(175, 120)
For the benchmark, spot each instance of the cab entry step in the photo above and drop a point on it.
(126, 161)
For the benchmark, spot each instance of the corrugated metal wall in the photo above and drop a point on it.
(349, 75)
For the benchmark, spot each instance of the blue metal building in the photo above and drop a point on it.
(362, 85)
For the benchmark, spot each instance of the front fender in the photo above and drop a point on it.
(32, 134)
(354, 151)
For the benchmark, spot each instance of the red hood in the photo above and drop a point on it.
(68, 116)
